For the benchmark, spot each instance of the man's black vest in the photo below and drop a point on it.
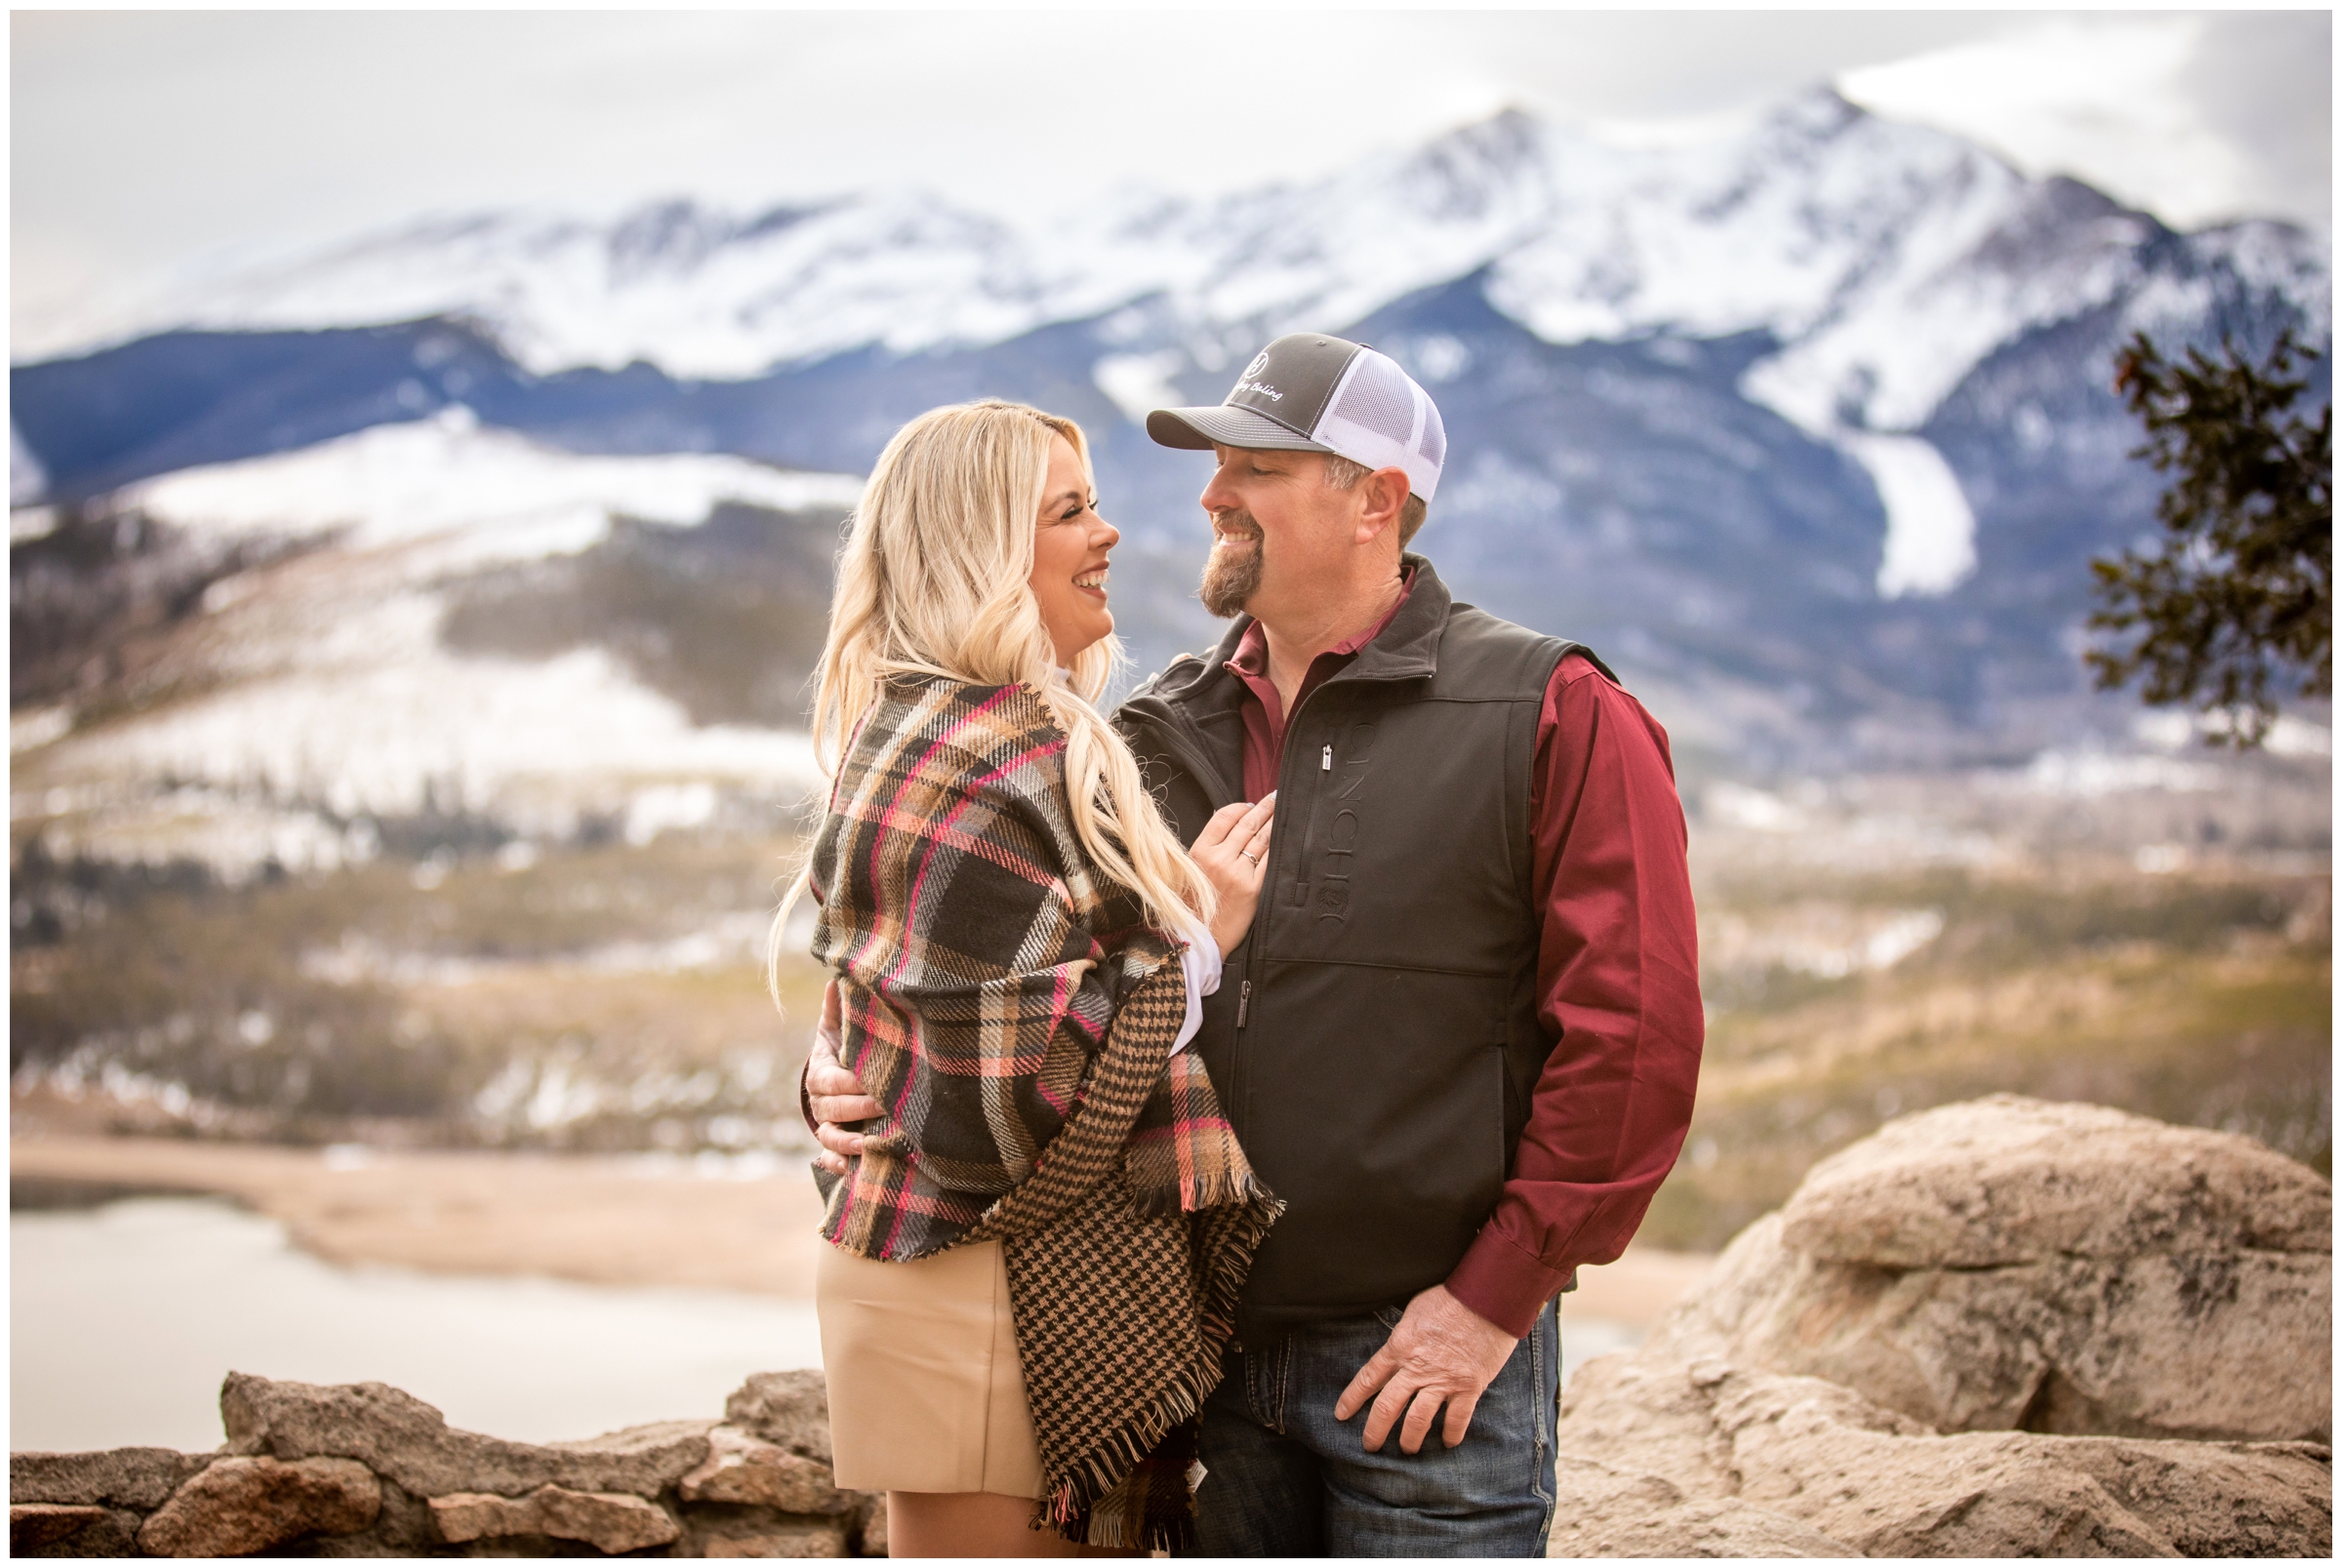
(1375, 1039)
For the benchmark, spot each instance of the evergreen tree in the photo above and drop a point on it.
(2240, 597)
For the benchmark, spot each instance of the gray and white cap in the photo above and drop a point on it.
(1309, 393)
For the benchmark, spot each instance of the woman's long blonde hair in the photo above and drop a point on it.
(935, 580)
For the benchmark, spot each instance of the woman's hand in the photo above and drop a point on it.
(832, 1092)
(1233, 851)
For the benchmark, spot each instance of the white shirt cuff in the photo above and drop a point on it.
(1200, 964)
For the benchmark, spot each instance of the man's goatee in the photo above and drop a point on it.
(1232, 577)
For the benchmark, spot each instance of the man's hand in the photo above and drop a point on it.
(834, 1092)
(1442, 1353)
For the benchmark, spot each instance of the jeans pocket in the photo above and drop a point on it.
(1388, 1317)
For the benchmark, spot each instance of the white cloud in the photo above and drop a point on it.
(2103, 99)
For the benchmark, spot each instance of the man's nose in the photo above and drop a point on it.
(1218, 497)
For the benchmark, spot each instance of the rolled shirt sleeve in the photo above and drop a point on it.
(1618, 992)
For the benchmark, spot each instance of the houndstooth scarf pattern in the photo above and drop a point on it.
(1013, 1015)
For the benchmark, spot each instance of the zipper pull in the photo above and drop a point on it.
(1325, 760)
(1243, 1002)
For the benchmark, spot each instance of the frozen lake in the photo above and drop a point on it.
(124, 1319)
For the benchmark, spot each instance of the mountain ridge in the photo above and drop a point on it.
(1813, 420)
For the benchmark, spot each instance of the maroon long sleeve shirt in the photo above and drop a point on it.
(1617, 979)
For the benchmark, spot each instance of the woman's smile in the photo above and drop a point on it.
(1071, 544)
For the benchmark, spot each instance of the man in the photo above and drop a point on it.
(1463, 1034)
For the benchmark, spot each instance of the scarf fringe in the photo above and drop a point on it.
(1220, 1190)
(1094, 1478)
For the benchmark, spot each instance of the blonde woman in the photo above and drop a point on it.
(1033, 1258)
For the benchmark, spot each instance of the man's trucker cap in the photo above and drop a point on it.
(1308, 392)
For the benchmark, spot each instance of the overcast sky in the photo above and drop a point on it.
(141, 141)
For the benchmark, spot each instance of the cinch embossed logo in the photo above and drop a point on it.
(1342, 840)
(1259, 363)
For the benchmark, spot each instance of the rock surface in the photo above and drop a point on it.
(746, 1469)
(1604, 1512)
(788, 1409)
(238, 1506)
(125, 1477)
(2007, 1179)
(399, 1437)
(611, 1522)
(760, 1534)
(34, 1525)
(1952, 1340)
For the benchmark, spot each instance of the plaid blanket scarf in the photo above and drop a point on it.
(1013, 1014)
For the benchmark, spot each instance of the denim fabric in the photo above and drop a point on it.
(1288, 1480)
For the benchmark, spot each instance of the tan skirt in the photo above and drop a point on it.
(925, 1392)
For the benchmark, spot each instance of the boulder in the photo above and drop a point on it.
(2003, 1328)
(34, 1525)
(124, 1478)
(788, 1409)
(2007, 1179)
(743, 1468)
(2015, 1266)
(611, 1522)
(236, 1506)
(408, 1442)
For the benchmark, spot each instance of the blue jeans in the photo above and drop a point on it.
(1286, 1479)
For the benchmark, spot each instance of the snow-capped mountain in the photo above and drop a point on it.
(1886, 261)
(1816, 415)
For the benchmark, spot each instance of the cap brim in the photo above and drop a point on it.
(1195, 429)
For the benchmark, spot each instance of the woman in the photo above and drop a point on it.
(1034, 1261)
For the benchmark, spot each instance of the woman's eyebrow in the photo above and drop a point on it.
(1063, 496)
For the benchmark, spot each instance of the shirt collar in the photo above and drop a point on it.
(1251, 657)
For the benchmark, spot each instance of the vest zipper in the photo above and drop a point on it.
(1243, 1089)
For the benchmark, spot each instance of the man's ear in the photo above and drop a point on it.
(1382, 497)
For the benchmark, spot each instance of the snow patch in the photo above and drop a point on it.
(28, 480)
(2091, 774)
(440, 732)
(488, 495)
(1930, 532)
(1140, 383)
(35, 727)
(373, 718)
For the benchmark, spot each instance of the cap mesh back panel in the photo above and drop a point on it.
(1379, 400)
(1433, 444)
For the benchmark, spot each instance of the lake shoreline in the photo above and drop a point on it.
(742, 1224)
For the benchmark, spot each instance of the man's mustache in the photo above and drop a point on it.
(1236, 525)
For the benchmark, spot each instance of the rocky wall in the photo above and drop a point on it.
(365, 1470)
